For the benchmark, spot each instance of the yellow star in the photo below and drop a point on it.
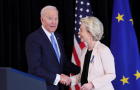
(131, 20)
(137, 75)
(120, 17)
(124, 80)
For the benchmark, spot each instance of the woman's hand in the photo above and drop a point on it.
(87, 86)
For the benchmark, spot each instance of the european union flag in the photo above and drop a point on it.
(124, 47)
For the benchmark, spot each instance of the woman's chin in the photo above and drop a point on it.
(82, 40)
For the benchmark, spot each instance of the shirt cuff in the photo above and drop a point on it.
(73, 80)
(57, 79)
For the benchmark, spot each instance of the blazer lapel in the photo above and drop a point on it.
(91, 60)
(93, 55)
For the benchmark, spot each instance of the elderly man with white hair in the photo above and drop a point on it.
(45, 52)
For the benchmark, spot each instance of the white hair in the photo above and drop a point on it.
(94, 26)
(44, 9)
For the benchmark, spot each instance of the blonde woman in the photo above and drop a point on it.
(97, 61)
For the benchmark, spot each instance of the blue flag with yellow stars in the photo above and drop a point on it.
(124, 47)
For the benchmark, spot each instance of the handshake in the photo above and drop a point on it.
(65, 80)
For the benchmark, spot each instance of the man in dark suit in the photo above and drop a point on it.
(45, 52)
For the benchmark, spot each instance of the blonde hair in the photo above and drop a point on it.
(94, 26)
(44, 9)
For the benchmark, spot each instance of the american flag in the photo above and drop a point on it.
(82, 9)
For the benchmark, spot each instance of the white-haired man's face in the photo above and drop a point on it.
(50, 20)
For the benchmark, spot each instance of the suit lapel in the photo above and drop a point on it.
(60, 46)
(49, 44)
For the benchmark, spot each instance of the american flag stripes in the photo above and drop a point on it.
(82, 9)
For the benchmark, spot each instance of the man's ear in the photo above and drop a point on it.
(41, 19)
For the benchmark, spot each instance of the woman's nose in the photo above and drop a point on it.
(79, 34)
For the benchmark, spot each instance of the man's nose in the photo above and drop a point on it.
(53, 22)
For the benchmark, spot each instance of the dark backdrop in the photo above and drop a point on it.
(18, 18)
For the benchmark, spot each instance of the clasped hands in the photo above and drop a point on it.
(65, 80)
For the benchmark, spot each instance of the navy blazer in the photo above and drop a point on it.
(41, 57)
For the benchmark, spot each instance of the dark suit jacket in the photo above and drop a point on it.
(42, 60)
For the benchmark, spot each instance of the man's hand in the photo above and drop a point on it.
(64, 79)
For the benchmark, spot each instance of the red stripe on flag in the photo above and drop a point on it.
(70, 89)
(77, 87)
(82, 45)
(76, 58)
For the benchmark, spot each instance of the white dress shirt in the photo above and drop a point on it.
(48, 34)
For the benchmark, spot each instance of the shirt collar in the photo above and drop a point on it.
(47, 33)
